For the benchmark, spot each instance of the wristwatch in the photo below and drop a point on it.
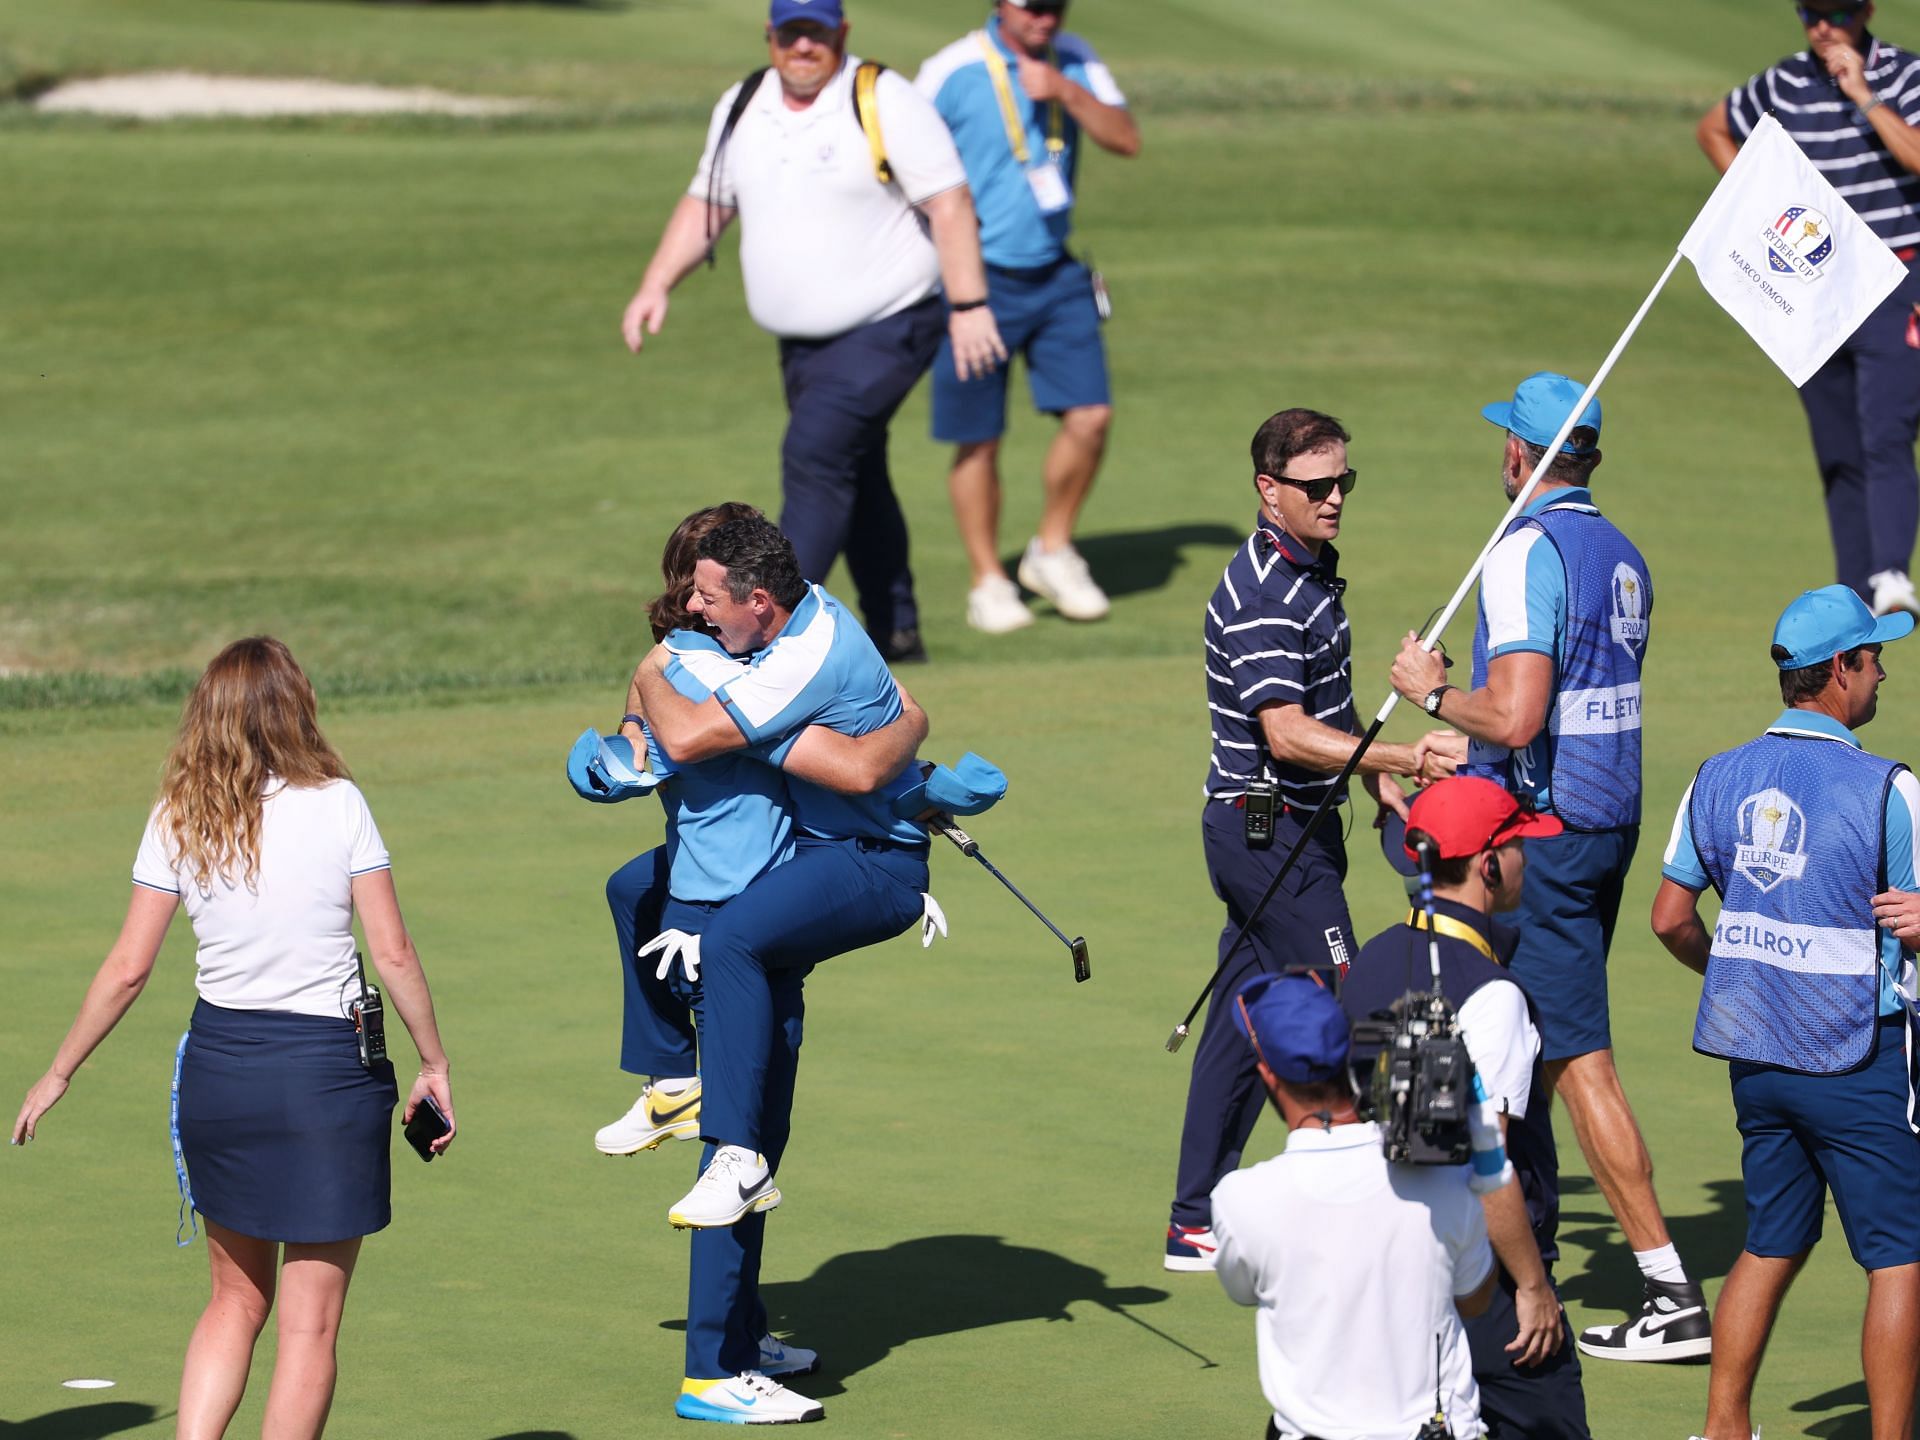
(1432, 703)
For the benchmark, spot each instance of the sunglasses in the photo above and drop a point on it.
(1839, 19)
(1043, 7)
(790, 34)
(1318, 490)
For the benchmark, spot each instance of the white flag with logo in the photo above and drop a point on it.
(1785, 255)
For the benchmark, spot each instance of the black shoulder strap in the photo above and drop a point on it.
(744, 98)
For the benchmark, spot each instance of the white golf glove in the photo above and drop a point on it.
(932, 918)
(674, 945)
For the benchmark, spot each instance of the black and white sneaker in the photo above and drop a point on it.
(1673, 1324)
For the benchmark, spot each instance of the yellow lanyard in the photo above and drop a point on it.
(1454, 930)
(1010, 109)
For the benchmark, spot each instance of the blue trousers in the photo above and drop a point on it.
(1863, 408)
(837, 493)
(1306, 923)
(1538, 1402)
(657, 1031)
(831, 897)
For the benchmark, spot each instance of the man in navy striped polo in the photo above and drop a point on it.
(1852, 103)
(1554, 715)
(1280, 693)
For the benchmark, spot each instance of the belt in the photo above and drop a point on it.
(1906, 254)
(1281, 807)
(906, 847)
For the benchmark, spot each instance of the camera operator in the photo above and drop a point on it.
(1523, 1354)
(1361, 1269)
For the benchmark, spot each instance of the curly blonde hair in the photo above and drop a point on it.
(250, 719)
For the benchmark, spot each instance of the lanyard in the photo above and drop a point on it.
(1454, 930)
(187, 1207)
(1010, 110)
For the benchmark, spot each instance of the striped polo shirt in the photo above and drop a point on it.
(1276, 634)
(1837, 138)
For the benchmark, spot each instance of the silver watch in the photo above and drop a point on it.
(1432, 703)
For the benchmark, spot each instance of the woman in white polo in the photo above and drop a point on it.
(280, 1129)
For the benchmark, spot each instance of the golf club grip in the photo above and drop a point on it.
(1286, 867)
(962, 841)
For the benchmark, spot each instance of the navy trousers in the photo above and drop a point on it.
(1539, 1402)
(657, 1030)
(831, 897)
(1306, 923)
(1863, 407)
(837, 493)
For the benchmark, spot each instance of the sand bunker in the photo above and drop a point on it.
(167, 95)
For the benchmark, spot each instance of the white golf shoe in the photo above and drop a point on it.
(1892, 591)
(735, 1183)
(1062, 577)
(656, 1117)
(994, 605)
(781, 1360)
(749, 1398)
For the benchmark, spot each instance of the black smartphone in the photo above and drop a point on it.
(426, 1126)
(1259, 808)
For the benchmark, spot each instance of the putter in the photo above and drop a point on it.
(967, 845)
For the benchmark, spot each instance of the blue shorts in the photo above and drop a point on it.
(1568, 904)
(1807, 1134)
(1046, 315)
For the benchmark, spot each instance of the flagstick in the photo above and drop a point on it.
(1432, 637)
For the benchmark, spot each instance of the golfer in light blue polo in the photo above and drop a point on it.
(858, 873)
(1805, 996)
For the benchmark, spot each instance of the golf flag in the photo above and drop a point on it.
(1784, 255)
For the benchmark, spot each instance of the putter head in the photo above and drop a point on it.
(1082, 969)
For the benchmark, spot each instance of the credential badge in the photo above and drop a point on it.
(1773, 839)
(1799, 243)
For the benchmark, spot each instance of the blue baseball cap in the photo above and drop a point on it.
(1539, 408)
(1829, 621)
(823, 12)
(1298, 1030)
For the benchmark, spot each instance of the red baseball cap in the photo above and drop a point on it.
(1467, 814)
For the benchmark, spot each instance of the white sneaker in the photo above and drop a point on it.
(1190, 1247)
(780, 1359)
(994, 606)
(656, 1117)
(749, 1398)
(1062, 577)
(1892, 591)
(735, 1183)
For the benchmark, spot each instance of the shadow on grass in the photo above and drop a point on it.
(538, 1435)
(1854, 1425)
(1708, 1243)
(857, 1307)
(82, 1422)
(1141, 560)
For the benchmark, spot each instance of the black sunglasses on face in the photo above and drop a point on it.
(1838, 18)
(1318, 490)
(1045, 7)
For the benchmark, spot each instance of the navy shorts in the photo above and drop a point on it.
(1807, 1134)
(1046, 315)
(1568, 904)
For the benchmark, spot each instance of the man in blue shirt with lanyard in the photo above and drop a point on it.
(1554, 715)
(1280, 703)
(1852, 103)
(1803, 996)
(858, 874)
(1017, 96)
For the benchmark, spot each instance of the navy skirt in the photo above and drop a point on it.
(284, 1132)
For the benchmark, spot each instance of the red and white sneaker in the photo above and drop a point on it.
(1190, 1247)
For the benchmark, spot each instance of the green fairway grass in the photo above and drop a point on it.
(359, 383)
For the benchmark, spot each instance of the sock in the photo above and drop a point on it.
(1662, 1264)
(674, 1084)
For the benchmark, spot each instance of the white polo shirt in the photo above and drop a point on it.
(1354, 1264)
(286, 943)
(824, 247)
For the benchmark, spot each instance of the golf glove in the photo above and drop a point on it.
(674, 945)
(932, 918)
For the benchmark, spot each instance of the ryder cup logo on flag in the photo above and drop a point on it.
(1784, 255)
